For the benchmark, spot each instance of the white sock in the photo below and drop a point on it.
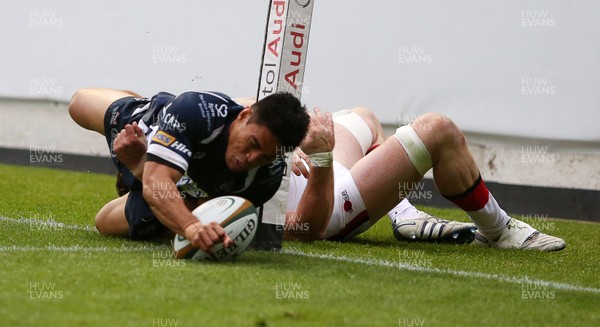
(403, 210)
(490, 220)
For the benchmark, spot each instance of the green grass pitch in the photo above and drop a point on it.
(66, 274)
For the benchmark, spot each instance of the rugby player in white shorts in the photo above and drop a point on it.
(341, 201)
(357, 133)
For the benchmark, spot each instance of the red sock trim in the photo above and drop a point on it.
(373, 147)
(473, 199)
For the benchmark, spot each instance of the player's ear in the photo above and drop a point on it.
(245, 114)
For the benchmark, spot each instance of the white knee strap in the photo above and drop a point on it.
(414, 147)
(354, 123)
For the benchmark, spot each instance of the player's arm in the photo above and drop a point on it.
(162, 195)
(314, 208)
(316, 204)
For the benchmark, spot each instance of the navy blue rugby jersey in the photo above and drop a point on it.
(190, 133)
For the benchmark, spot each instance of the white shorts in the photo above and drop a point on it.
(354, 123)
(349, 216)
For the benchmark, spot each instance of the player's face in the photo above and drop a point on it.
(249, 146)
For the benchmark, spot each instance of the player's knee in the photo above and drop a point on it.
(439, 128)
(77, 104)
(101, 223)
(106, 221)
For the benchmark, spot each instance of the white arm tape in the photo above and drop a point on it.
(321, 159)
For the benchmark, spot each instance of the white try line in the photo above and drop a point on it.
(49, 224)
(54, 225)
(84, 249)
(461, 273)
(369, 262)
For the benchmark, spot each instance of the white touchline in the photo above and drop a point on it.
(370, 262)
(471, 274)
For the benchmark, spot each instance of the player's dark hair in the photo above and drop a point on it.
(284, 116)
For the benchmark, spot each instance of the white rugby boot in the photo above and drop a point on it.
(520, 235)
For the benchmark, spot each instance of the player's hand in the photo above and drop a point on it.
(320, 136)
(206, 236)
(298, 167)
(130, 146)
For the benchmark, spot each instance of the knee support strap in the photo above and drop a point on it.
(414, 147)
(354, 123)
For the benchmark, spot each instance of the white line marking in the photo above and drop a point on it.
(381, 263)
(471, 274)
(48, 223)
(78, 248)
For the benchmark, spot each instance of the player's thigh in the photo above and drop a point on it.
(371, 120)
(347, 150)
(353, 137)
(381, 176)
(88, 106)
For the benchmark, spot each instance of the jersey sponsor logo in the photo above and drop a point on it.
(171, 122)
(163, 138)
(221, 110)
(181, 148)
(218, 109)
(347, 202)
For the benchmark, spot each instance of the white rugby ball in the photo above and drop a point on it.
(235, 214)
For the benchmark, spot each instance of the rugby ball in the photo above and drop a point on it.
(235, 214)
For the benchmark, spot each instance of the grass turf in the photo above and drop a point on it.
(56, 275)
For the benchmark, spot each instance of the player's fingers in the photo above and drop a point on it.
(317, 111)
(118, 140)
(329, 119)
(296, 170)
(129, 130)
(198, 242)
(299, 152)
(227, 241)
(303, 170)
(318, 116)
(218, 230)
(205, 239)
(221, 235)
(299, 169)
(213, 233)
(121, 133)
(137, 129)
(306, 159)
(324, 118)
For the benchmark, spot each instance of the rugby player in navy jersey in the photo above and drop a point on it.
(220, 144)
